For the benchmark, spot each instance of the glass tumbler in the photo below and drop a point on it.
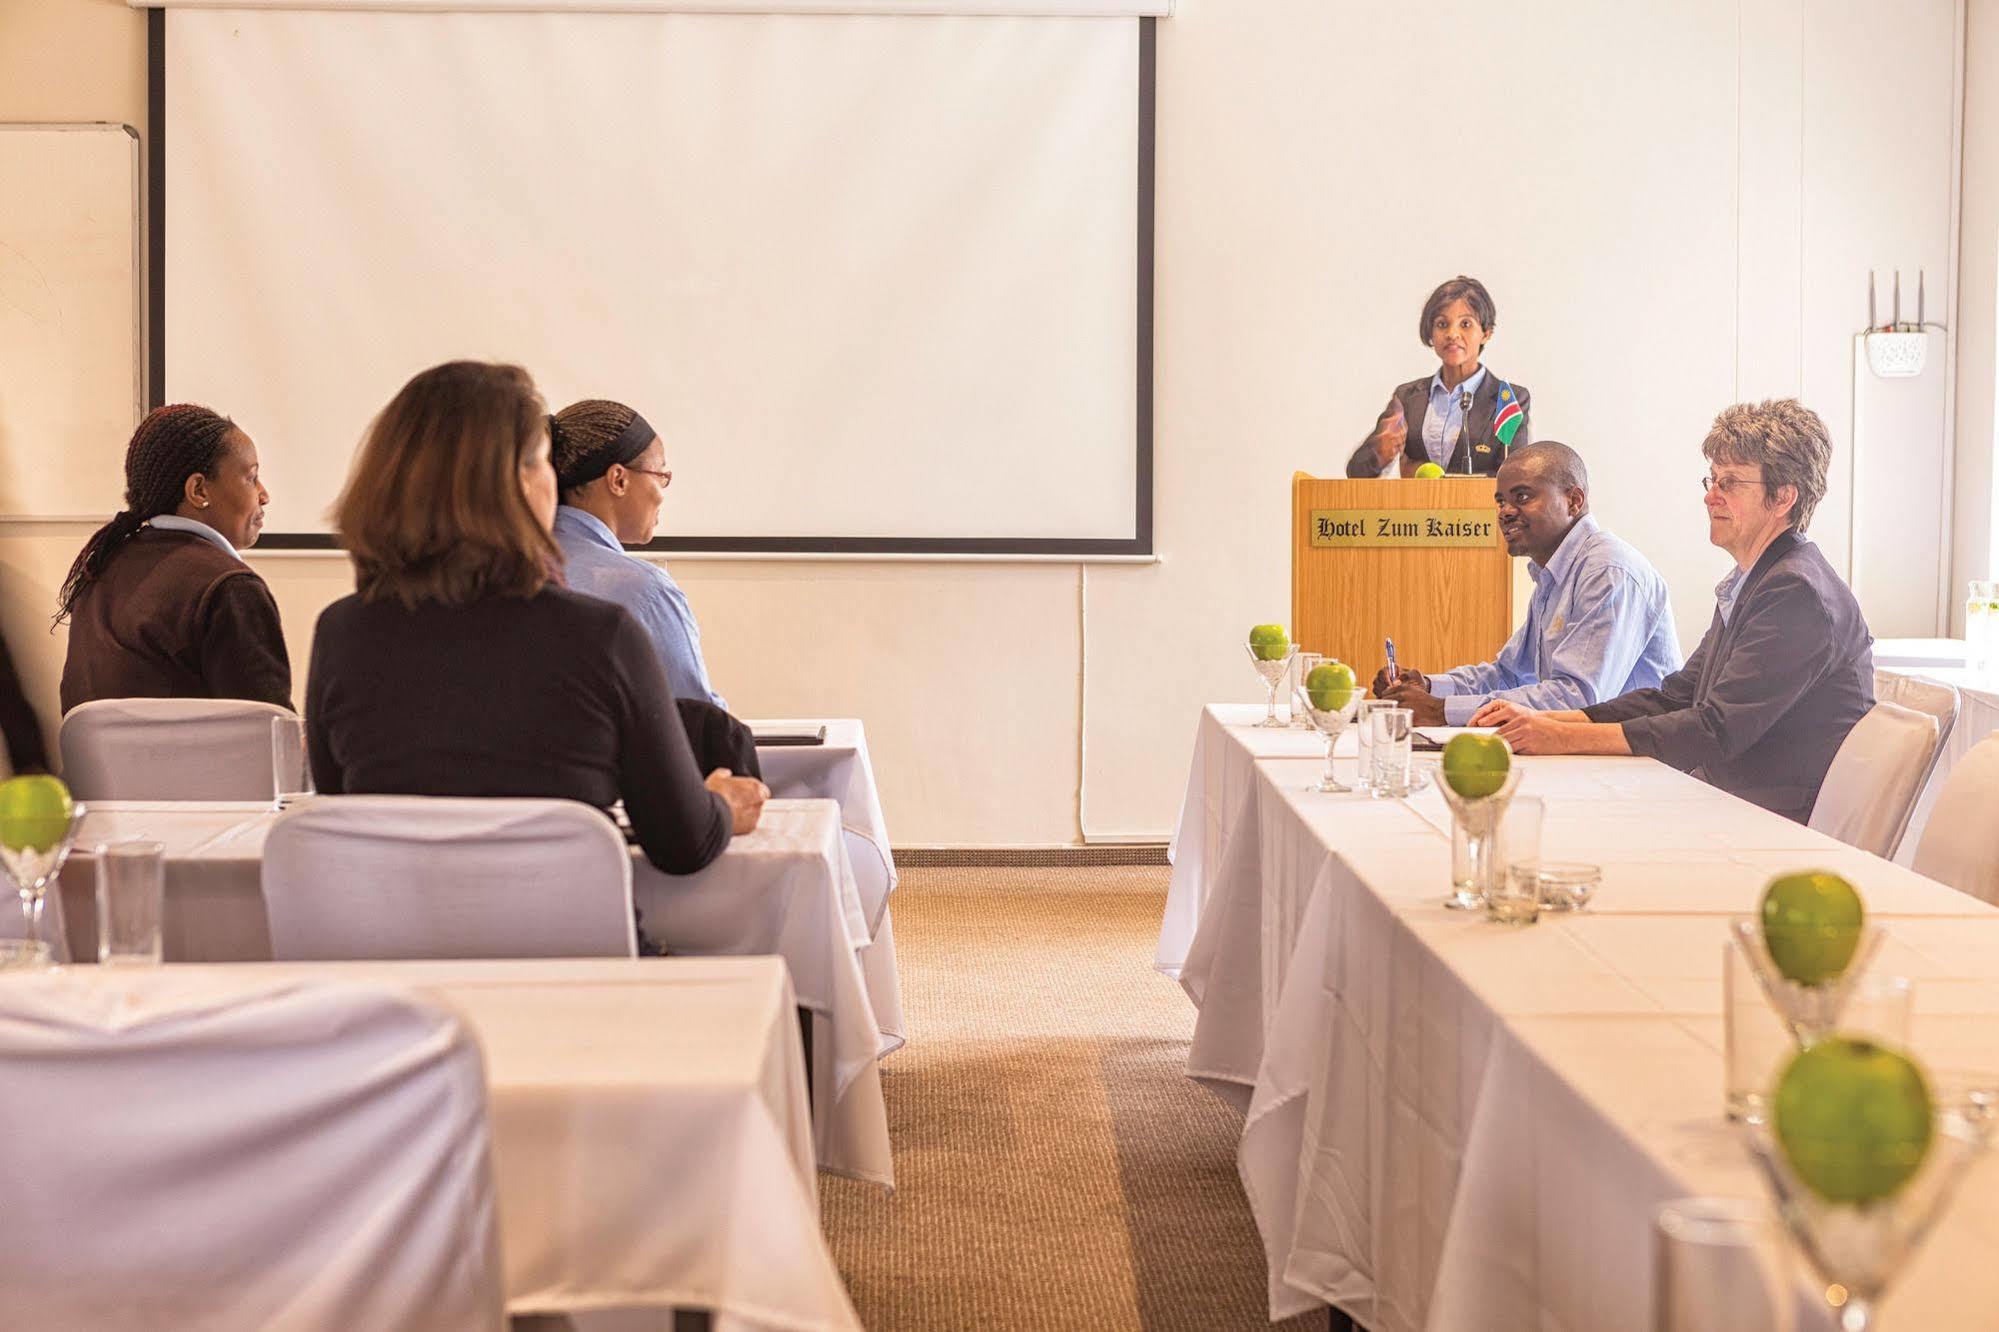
(131, 885)
(1721, 1266)
(1389, 755)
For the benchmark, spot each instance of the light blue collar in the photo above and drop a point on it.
(1470, 386)
(586, 524)
(1565, 554)
(173, 522)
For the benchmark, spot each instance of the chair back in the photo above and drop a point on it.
(191, 1151)
(1940, 701)
(440, 877)
(1875, 778)
(169, 749)
(1960, 843)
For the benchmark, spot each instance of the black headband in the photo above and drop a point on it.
(623, 450)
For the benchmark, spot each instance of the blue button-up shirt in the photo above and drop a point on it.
(595, 564)
(1444, 420)
(1599, 625)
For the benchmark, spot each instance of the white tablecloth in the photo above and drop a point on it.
(785, 889)
(651, 1144)
(1455, 1125)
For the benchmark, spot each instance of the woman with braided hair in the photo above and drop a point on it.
(462, 666)
(610, 471)
(159, 602)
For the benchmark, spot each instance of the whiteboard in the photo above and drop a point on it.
(71, 307)
(877, 281)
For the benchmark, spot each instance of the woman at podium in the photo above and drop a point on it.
(1464, 417)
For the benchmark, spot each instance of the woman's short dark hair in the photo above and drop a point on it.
(173, 443)
(584, 428)
(1460, 288)
(433, 509)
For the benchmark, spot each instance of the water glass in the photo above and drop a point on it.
(1515, 895)
(291, 773)
(1301, 666)
(1364, 736)
(1757, 1043)
(1388, 756)
(1981, 624)
(1722, 1265)
(131, 882)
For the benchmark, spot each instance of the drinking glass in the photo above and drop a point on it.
(1301, 666)
(1389, 753)
(1515, 895)
(1364, 736)
(33, 868)
(131, 880)
(1272, 671)
(1329, 723)
(291, 773)
(1720, 1266)
(1811, 1011)
(1474, 821)
(1981, 624)
(1758, 1039)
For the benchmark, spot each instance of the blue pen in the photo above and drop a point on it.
(1393, 673)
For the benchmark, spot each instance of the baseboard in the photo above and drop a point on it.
(1061, 857)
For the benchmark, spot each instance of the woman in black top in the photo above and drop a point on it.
(461, 666)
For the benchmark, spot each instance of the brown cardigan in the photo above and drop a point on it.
(175, 616)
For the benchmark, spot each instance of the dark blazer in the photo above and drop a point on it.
(1767, 698)
(1486, 450)
(173, 615)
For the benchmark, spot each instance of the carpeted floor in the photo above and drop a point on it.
(1057, 1170)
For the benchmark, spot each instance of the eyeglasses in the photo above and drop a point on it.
(1727, 485)
(665, 479)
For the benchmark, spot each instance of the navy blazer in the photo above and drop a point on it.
(1486, 450)
(1766, 700)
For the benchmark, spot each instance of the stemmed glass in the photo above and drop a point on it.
(1329, 723)
(1811, 1011)
(1474, 844)
(1272, 671)
(32, 868)
(1859, 1248)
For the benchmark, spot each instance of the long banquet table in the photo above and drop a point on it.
(651, 1142)
(1456, 1125)
(786, 889)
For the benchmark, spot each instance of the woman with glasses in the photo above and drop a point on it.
(610, 469)
(462, 667)
(1464, 417)
(1787, 666)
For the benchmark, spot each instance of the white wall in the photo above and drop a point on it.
(1660, 197)
(1977, 289)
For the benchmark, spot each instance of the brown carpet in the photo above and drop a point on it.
(1057, 1169)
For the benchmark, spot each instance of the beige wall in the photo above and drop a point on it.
(1643, 221)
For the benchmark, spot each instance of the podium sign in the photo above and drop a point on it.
(1421, 562)
(1470, 528)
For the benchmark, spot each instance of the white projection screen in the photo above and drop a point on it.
(882, 282)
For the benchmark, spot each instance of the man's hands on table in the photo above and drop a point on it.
(1531, 732)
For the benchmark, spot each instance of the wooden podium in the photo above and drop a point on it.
(1421, 562)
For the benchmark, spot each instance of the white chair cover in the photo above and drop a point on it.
(354, 877)
(1875, 778)
(1940, 701)
(169, 749)
(1960, 844)
(187, 1152)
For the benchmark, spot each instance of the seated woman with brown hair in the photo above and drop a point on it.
(462, 667)
(159, 603)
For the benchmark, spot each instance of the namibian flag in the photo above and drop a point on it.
(1506, 421)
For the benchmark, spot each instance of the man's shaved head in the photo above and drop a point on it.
(1556, 461)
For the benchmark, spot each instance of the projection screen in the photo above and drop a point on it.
(882, 283)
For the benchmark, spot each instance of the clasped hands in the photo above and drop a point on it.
(1527, 731)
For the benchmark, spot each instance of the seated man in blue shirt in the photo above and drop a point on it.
(610, 468)
(1598, 625)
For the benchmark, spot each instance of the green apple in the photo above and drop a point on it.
(1330, 686)
(1269, 641)
(1811, 925)
(1853, 1118)
(1476, 765)
(1428, 472)
(34, 812)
